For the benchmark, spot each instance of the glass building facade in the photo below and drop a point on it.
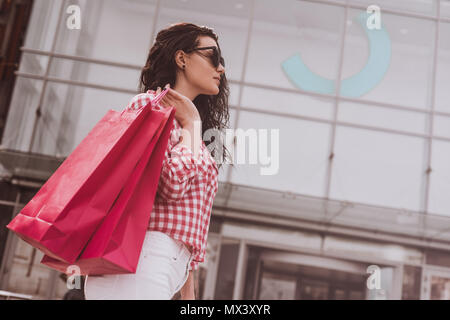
(361, 181)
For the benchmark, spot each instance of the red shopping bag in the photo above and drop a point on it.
(65, 212)
(116, 245)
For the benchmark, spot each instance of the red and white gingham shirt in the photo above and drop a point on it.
(186, 191)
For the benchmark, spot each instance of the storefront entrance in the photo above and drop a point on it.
(294, 276)
(296, 282)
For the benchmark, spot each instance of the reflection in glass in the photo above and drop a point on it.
(227, 270)
(276, 287)
(5, 218)
(112, 30)
(380, 117)
(425, 7)
(228, 19)
(439, 202)
(287, 103)
(377, 168)
(44, 17)
(411, 283)
(21, 115)
(92, 73)
(309, 29)
(440, 288)
(445, 9)
(301, 162)
(443, 69)
(407, 81)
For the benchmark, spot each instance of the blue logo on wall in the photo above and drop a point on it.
(356, 85)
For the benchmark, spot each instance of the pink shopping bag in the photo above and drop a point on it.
(116, 245)
(65, 212)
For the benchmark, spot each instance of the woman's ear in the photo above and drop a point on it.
(180, 59)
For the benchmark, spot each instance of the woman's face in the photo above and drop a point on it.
(200, 72)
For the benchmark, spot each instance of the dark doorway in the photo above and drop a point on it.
(14, 18)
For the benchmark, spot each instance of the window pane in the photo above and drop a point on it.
(33, 63)
(233, 99)
(112, 30)
(445, 8)
(287, 102)
(223, 171)
(377, 168)
(308, 29)
(301, 162)
(44, 17)
(227, 270)
(438, 258)
(104, 75)
(27, 274)
(426, 7)
(440, 288)
(441, 126)
(68, 114)
(439, 202)
(407, 80)
(21, 115)
(275, 286)
(8, 191)
(6, 215)
(411, 283)
(443, 69)
(229, 19)
(382, 117)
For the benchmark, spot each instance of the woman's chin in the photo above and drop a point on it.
(212, 91)
(216, 90)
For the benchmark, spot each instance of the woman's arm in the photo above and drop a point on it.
(187, 291)
(191, 134)
(180, 165)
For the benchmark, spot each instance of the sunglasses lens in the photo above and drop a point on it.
(217, 58)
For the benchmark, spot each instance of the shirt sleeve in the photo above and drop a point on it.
(200, 257)
(178, 170)
(193, 265)
(140, 100)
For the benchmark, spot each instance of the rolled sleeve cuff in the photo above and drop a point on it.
(193, 265)
(184, 158)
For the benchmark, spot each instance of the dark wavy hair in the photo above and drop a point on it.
(161, 67)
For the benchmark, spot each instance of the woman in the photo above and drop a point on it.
(186, 60)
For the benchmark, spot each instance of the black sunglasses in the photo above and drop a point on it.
(215, 58)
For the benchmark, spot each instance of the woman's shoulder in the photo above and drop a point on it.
(140, 100)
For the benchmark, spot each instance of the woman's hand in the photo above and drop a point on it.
(186, 113)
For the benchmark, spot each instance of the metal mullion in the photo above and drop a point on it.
(389, 11)
(79, 58)
(240, 108)
(369, 103)
(431, 118)
(47, 70)
(241, 88)
(336, 106)
(73, 82)
(341, 123)
(155, 19)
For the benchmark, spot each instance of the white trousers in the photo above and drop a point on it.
(162, 270)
